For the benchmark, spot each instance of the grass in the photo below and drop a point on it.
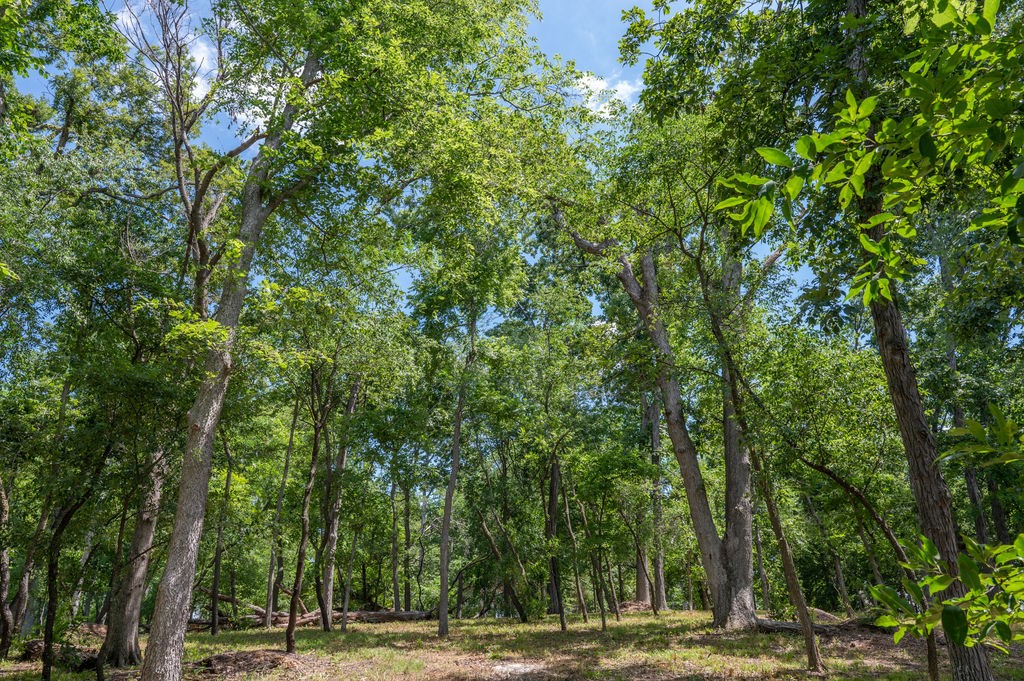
(674, 646)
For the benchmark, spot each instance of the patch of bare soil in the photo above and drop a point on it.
(521, 671)
(242, 662)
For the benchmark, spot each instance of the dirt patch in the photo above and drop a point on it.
(250, 662)
(520, 671)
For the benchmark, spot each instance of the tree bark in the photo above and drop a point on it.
(307, 492)
(727, 559)
(396, 591)
(6, 614)
(449, 495)
(551, 533)
(121, 643)
(219, 551)
(934, 503)
(333, 513)
(275, 541)
(796, 594)
(174, 597)
(660, 596)
(348, 580)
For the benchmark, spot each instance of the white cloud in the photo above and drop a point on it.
(601, 93)
(204, 59)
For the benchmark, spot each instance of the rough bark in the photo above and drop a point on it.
(121, 643)
(934, 503)
(219, 550)
(330, 548)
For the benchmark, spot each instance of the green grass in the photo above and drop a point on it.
(678, 645)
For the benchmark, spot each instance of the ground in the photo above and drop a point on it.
(670, 647)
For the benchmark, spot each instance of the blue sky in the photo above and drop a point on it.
(588, 32)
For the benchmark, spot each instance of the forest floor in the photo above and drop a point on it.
(673, 646)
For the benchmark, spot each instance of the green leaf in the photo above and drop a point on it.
(775, 156)
(867, 107)
(887, 621)
(1003, 631)
(954, 622)
(888, 597)
(990, 10)
(793, 187)
(969, 572)
(805, 147)
(868, 244)
(730, 202)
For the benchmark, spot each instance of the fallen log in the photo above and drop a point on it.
(776, 627)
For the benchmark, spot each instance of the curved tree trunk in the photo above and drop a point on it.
(121, 643)
(796, 594)
(934, 503)
(727, 559)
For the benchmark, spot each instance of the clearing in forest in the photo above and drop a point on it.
(676, 645)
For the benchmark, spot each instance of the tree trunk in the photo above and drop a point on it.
(934, 504)
(407, 571)
(174, 597)
(60, 524)
(300, 559)
(446, 519)
(727, 560)
(796, 594)
(333, 512)
(660, 596)
(275, 540)
(348, 580)
(762, 574)
(643, 584)
(6, 614)
(449, 495)
(396, 590)
(219, 551)
(551, 533)
(611, 588)
(580, 598)
(121, 643)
